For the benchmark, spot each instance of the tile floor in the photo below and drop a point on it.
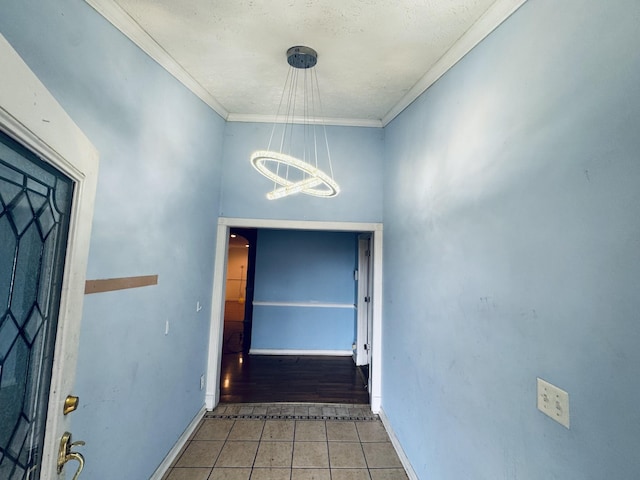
(288, 442)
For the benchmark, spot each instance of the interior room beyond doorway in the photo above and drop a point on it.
(325, 263)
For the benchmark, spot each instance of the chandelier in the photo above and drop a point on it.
(297, 159)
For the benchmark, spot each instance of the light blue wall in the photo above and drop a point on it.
(302, 328)
(512, 250)
(511, 241)
(356, 154)
(156, 207)
(294, 266)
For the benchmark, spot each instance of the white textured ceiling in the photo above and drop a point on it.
(374, 56)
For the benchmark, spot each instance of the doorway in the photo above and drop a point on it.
(217, 326)
(238, 307)
(301, 350)
(239, 280)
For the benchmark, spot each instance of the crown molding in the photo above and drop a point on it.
(342, 122)
(487, 23)
(120, 19)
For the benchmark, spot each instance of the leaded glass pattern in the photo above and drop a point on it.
(35, 201)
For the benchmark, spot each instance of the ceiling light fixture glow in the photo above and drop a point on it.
(296, 167)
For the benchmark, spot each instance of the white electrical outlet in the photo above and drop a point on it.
(554, 402)
(166, 328)
(201, 382)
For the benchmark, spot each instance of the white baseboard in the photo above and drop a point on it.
(175, 451)
(376, 404)
(396, 445)
(209, 400)
(329, 353)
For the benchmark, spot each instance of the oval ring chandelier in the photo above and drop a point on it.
(297, 166)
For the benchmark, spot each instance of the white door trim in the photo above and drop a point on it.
(364, 282)
(30, 115)
(217, 309)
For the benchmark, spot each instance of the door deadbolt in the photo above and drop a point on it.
(70, 404)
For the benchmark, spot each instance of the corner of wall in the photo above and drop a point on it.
(177, 448)
(397, 446)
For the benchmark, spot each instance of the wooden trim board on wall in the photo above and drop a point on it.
(122, 283)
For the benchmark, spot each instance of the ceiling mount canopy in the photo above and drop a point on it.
(302, 57)
(302, 161)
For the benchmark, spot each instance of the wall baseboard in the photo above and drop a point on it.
(209, 401)
(396, 445)
(329, 353)
(175, 451)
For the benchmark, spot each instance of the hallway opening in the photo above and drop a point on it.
(236, 376)
(247, 377)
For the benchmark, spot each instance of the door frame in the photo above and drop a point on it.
(214, 359)
(31, 115)
(363, 307)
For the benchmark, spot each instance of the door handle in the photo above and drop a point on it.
(65, 454)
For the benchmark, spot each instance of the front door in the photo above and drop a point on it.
(32, 116)
(35, 206)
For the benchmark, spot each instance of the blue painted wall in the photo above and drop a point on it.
(157, 200)
(512, 240)
(295, 266)
(356, 154)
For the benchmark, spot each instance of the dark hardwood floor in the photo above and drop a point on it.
(267, 378)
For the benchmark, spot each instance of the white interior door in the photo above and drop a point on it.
(364, 301)
(31, 116)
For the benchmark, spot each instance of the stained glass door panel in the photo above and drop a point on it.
(35, 203)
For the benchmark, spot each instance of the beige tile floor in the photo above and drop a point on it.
(288, 442)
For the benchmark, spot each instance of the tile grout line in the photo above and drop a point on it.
(366, 462)
(293, 448)
(326, 437)
(255, 457)
(217, 456)
(224, 444)
(221, 449)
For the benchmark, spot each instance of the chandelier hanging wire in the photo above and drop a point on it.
(297, 165)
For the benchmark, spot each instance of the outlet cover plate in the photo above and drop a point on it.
(554, 402)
